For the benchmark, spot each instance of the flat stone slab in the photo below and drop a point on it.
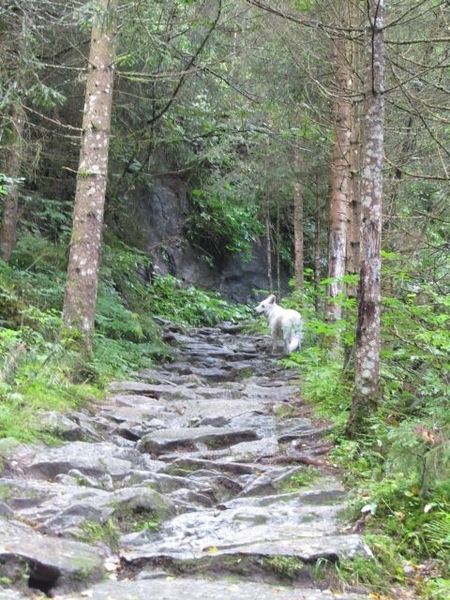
(64, 564)
(191, 438)
(144, 389)
(93, 459)
(199, 589)
(179, 413)
(62, 508)
(278, 525)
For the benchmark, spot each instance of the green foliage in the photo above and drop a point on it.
(93, 531)
(303, 5)
(323, 383)
(6, 183)
(35, 379)
(379, 573)
(285, 412)
(115, 359)
(44, 96)
(149, 524)
(167, 298)
(45, 218)
(221, 222)
(435, 588)
(39, 364)
(116, 321)
(398, 471)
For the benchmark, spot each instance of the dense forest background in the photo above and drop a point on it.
(248, 144)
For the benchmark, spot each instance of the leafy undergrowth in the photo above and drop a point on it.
(39, 365)
(398, 476)
(398, 471)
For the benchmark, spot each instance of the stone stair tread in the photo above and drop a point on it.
(308, 549)
(284, 525)
(203, 589)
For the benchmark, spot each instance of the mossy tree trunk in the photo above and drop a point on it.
(298, 223)
(340, 176)
(12, 167)
(354, 200)
(86, 242)
(367, 360)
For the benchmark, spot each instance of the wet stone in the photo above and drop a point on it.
(180, 478)
(166, 440)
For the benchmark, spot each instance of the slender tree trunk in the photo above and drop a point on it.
(367, 363)
(278, 255)
(86, 243)
(354, 199)
(269, 253)
(317, 261)
(354, 226)
(354, 205)
(340, 180)
(8, 227)
(298, 224)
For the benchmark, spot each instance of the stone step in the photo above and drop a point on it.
(208, 589)
(185, 482)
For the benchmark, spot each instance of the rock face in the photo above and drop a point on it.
(158, 222)
(192, 473)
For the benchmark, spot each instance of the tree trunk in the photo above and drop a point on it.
(277, 247)
(340, 181)
(367, 361)
(8, 227)
(317, 259)
(298, 224)
(269, 252)
(353, 231)
(354, 199)
(354, 204)
(85, 246)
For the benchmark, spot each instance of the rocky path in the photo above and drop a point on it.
(188, 482)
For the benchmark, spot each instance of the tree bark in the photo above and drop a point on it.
(354, 198)
(367, 361)
(317, 258)
(340, 180)
(8, 227)
(298, 224)
(86, 242)
(269, 252)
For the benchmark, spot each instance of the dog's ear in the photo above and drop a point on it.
(272, 299)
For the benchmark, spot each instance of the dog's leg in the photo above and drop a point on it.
(287, 342)
(274, 344)
(287, 334)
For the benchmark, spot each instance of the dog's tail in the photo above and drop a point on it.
(296, 338)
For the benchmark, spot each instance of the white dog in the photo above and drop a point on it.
(284, 323)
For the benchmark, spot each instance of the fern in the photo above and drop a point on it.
(437, 534)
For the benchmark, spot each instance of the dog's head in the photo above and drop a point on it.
(266, 305)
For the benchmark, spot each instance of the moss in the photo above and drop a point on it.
(299, 480)
(286, 567)
(108, 533)
(286, 411)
